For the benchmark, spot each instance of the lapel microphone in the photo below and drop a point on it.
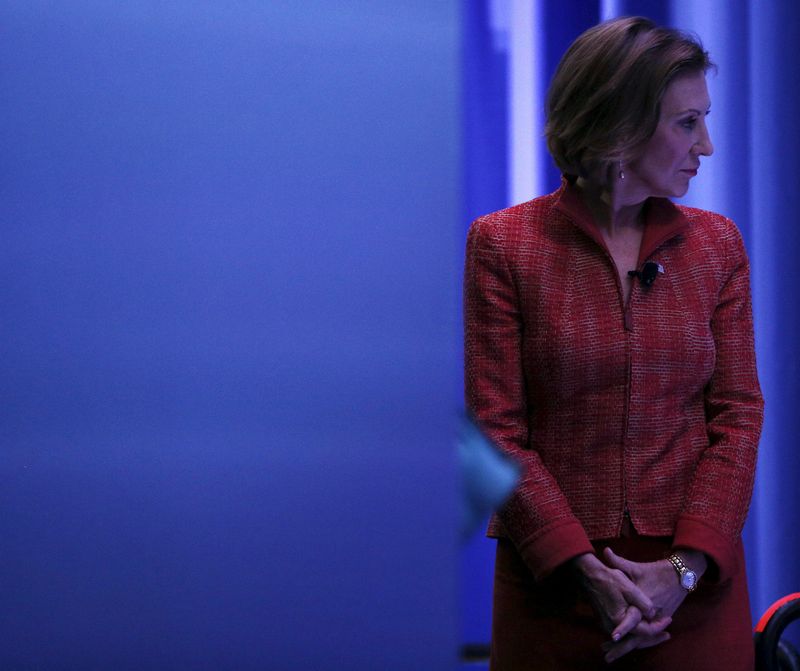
(648, 273)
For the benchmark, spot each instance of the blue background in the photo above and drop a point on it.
(229, 366)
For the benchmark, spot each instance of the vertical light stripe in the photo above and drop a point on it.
(525, 100)
(499, 19)
(765, 142)
(610, 9)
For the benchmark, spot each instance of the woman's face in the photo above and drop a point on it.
(671, 156)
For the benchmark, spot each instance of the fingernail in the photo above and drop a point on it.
(616, 637)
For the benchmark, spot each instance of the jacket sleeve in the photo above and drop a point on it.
(719, 496)
(537, 517)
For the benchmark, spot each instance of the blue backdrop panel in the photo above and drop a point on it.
(229, 293)
(485, 113)
(774, 542)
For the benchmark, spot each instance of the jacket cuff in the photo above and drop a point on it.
(554, 545)
(695, 534)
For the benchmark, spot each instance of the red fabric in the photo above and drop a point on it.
(549, 625)
(653, 407)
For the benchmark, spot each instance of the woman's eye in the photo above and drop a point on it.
(689, 123)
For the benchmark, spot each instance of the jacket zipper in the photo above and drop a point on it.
(623, 475)
(627, 320)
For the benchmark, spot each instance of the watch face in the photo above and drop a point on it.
(689, 580)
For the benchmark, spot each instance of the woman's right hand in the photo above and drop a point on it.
(621, 606)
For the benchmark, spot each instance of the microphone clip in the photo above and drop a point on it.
(647, 275)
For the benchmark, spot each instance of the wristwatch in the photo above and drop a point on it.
(686, 576)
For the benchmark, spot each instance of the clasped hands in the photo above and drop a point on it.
(634, 600)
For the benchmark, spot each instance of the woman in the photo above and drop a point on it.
(609, 349)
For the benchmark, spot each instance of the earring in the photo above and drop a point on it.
(621, 173)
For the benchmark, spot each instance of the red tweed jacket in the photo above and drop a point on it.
(651, 409)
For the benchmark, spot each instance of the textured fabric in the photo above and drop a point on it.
(548, 625)
(652, 408)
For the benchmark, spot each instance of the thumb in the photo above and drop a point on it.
(616, 561)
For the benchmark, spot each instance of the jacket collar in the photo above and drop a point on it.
(662, 219)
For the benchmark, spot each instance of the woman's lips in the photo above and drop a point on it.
(691, 173)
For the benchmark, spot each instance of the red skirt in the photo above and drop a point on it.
(549, 625)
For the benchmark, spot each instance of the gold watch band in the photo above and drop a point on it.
(682, 570)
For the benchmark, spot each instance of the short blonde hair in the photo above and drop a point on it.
(605, 98)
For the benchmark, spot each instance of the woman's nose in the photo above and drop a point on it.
(703, 146)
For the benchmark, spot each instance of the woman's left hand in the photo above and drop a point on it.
(659, 582)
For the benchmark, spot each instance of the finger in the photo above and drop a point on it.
(621, 563)
(650, 641)
(632, 617)
(622, 648)
(636, 597)
(616, 650)
(639, 641)
(652, 627)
